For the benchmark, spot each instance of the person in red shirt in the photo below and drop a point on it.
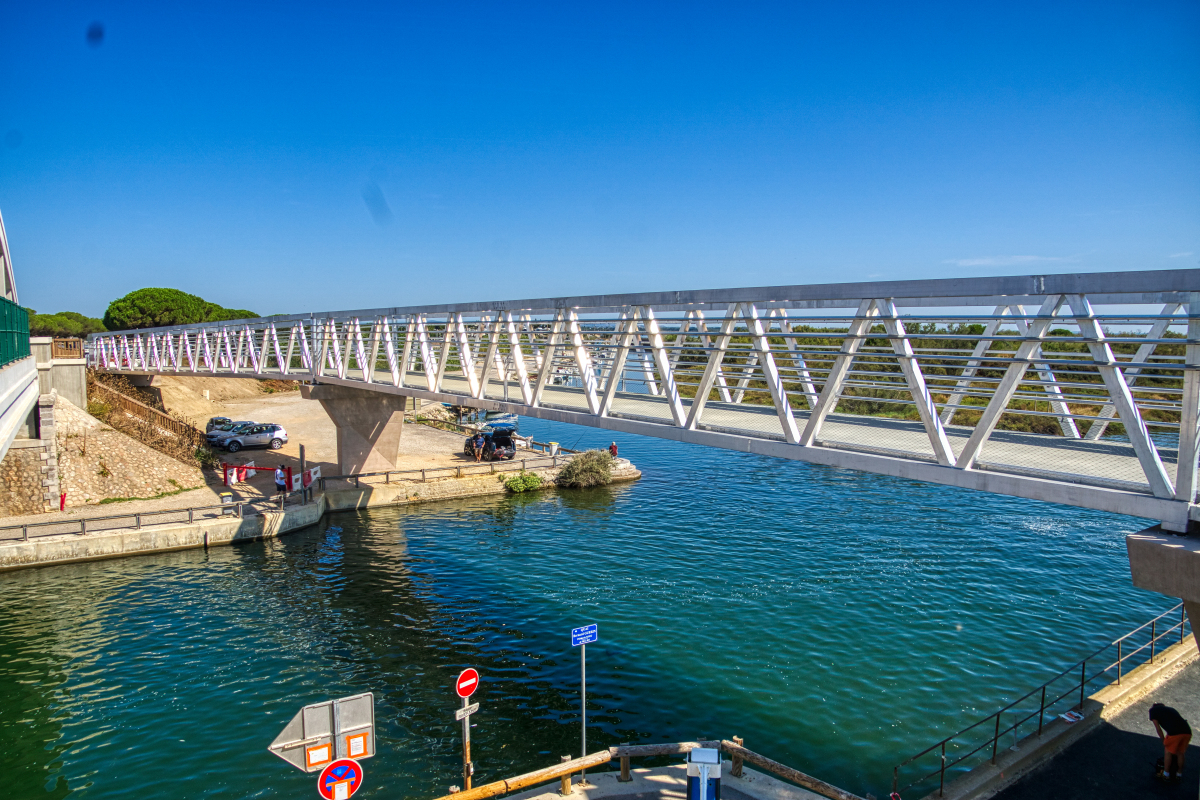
(612, 449)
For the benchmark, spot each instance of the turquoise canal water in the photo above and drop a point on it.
(839, 622)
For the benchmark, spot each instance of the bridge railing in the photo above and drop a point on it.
(1087, 380)
(1027, 715)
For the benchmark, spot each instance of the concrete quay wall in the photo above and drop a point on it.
(214, 531)
(403, 493)
(71, 548)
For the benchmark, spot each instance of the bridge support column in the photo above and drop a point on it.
(368, 423)
(1168, 564)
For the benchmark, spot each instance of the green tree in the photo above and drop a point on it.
(152, 308)
(64, 323)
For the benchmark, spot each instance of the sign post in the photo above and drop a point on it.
(465, 686)
(580, 638)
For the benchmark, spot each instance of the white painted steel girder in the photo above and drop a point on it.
(787, 371)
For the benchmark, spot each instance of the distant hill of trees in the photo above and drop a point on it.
(153, 308)
(143, 308)
(63, 324)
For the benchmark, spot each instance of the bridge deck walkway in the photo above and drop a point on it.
(1107, 463)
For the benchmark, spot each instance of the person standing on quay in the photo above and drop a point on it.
(1176, 734)
(612, 450)
(280, 480)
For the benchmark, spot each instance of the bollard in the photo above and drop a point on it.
(422, 476)
(459, 472)
(240, 512)
(137, 521)
(625, 776)
(735, 769)
(191, 515)
(565, 788)
(522, 465)
(82, 526)
(24, 533)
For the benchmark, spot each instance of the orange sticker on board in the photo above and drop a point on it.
(318, 754)
(356, 744)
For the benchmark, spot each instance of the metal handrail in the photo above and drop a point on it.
(1044, 704)
(138, 517)
(491, 465)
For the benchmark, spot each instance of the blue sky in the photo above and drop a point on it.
(295, 157)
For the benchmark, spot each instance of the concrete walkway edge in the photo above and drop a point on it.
(73, 548)
(1032, 752)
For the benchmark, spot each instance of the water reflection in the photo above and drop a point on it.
(837, 621)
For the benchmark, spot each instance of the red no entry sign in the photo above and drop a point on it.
(467, 683)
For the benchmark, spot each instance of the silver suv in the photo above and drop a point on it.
(272, 436)
(219, 434)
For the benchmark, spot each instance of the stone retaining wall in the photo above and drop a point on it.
(96, 462)
(21, 477)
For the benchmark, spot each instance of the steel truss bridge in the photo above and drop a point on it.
(1081, 389)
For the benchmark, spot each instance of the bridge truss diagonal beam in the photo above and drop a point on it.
(1091, 399)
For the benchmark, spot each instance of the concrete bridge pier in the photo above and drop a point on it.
(1169, 564)
(368, 423)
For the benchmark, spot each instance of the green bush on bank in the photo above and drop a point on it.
(523, 482)
(590, 468)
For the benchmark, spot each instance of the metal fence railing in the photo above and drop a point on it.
(165, 422)
(1066, 691)
(113, 522)
(14, 332)
(135, 520)
(457, 471)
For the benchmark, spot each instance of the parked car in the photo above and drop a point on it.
(218, 435)
(266, 435)
(498, 444)
(217, 422)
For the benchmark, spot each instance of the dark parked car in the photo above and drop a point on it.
(268, 435)
(217, 422)
(498, 445)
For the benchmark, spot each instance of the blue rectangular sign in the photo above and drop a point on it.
(585, 635)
